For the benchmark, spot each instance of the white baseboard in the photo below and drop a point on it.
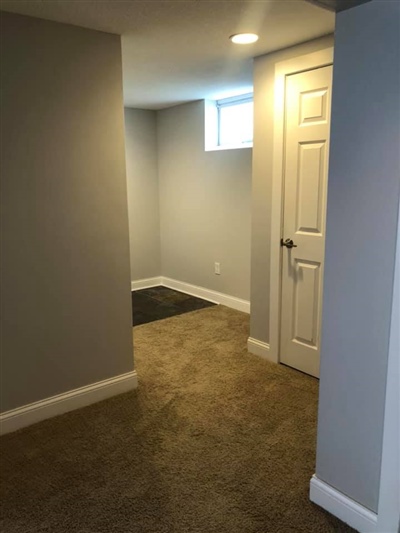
(349, 511)
(193, 290)
(146, 283)
(68, 401)
(207, 294)
(259, 348)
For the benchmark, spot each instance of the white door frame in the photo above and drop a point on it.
(320, 59)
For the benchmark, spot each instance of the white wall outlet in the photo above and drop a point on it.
(217, 268)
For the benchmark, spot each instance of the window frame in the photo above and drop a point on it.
(230, 102)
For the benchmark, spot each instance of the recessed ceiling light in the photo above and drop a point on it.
(244, 38)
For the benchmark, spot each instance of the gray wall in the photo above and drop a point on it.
(66, 316)
(204, 205)
(264, 79)
(389, 492)
(363, 202)
(142, 178)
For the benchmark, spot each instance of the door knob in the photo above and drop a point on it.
(288, 243)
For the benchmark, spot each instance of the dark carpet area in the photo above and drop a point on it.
(214, 440)
(160, 302)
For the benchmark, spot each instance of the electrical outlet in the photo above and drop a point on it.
(217, 268)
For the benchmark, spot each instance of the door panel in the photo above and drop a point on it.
(307, 124)
(305, 299)
(313, 106)
(310, 187)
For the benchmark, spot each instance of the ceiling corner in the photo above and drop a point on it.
(337, 5)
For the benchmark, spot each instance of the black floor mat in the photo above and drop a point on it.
(157, 303)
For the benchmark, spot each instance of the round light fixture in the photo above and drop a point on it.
(244, 38)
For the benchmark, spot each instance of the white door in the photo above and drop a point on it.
(307, 126)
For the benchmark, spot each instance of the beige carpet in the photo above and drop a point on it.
(214, 441)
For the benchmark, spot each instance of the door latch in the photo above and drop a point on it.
(288, 243)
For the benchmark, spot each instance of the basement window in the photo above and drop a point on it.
(229, 123)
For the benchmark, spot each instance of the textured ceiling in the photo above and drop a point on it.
(178, 50)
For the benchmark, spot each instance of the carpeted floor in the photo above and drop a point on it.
(214, 440)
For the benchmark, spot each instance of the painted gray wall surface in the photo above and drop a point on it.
(142, 178)
(363, 202)
(204, 205)
(264, 80)
(66, 312)
(389, 493)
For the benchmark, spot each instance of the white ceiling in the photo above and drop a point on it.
(176, 51)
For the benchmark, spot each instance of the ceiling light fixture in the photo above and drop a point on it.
(244, 38)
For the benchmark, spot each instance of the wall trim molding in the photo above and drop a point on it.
(260, 348)
(194, 290)
(207, 294)
(355, 515)
(146, 283)
(67, 401)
